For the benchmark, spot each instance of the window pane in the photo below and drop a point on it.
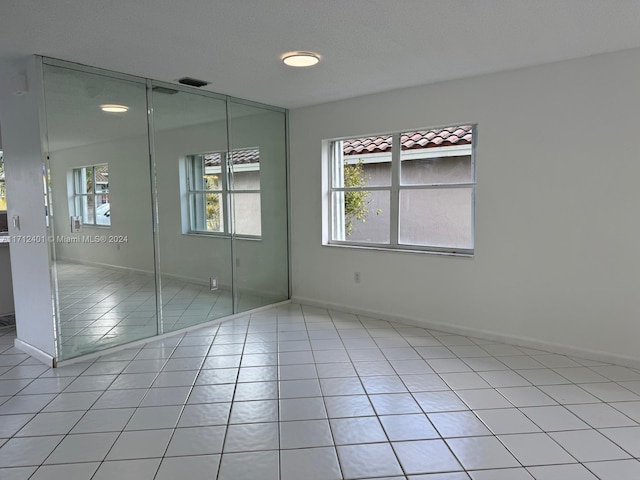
(103, 210)
(88, 176)
(79, 180)
(88, 209)
(209, 179)
(361, 216)
(206, 212)
(196, 172)
(362, 162)
(102, 178)
(246, 169)
(212, 180)
(440, 217)
(436, 156)
(247, 217)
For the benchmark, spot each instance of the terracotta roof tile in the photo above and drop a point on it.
(102, 174)
(248, 155)
(441, 137)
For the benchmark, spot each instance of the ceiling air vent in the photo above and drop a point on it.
(193, 82)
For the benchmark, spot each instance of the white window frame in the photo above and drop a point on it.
(80, 198)
(226, 191)
(335, 210)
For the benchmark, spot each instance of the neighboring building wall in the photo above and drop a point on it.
(453, 212)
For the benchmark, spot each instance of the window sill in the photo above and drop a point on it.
(464, 254)
(252, 238)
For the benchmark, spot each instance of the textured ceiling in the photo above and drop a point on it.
(367, 46)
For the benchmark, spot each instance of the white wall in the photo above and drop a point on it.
(556, 214)
(19, 118)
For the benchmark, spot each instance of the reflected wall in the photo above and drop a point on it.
(164, 216)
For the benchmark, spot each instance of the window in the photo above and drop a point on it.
(412, 190)
(219, 183)
(91, 195)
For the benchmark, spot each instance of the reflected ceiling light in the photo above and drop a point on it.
(114, 108)
(300, 59)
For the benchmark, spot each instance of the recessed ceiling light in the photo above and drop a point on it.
(114, 108)
(300, 59)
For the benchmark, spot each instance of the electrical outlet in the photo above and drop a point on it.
(356, 277)
(213, 283)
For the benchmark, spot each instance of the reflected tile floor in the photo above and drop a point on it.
(296, 392)
(102, 308)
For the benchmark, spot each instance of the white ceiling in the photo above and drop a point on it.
(367, 46)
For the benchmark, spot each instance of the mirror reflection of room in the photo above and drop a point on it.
(147, 247)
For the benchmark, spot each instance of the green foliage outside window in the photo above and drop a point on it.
(213, 203)
(355, 202)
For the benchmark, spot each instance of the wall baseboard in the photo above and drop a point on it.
(551, 347)
(35, 352)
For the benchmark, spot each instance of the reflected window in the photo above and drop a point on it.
(91, 195)
(412, 190)
(223, 192)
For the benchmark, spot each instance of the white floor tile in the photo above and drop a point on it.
(205, 414)
(310, 464)
(535, 449)
(74, 471)
(507, 420)
(152, 418)
(527, 396)
(394, 403)
(458, 424)
(85, 447)
(628, 438)
(408, 427)
(477, 453)
(16, 473)
(483, 398)
(502, 474)
(54, 423)
(196, 441)
(561, 472)
(96, 421)
(200, 467)
(348, 406)
(425, 456)
(305, 434)
(250, 466)
(589, 445)
(616, 470)
(20, 452)
(373, 459)
(128, 469)
(251, 437)
(357, 430)
(443, 401)
(554, 418)
(601, 415)
(140, 444)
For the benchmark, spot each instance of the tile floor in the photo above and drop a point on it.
(297, 393)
